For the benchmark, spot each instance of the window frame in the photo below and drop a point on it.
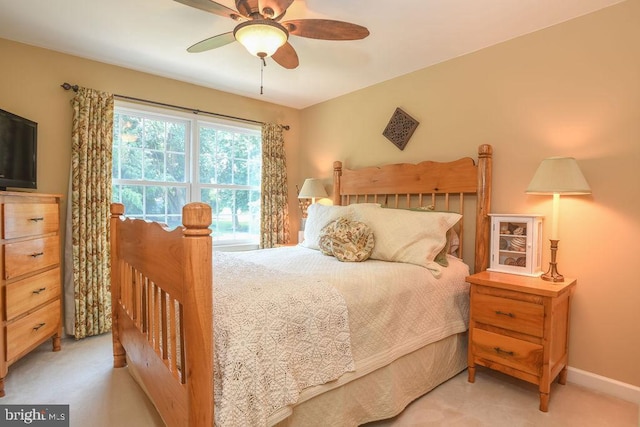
(194, 121)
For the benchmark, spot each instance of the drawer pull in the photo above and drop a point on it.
(37, 291)
(501, 351)
(35, 328)
(502, 313)
(36, 254)
(36, 219)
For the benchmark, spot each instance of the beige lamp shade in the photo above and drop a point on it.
(312, 189)
(559, 175)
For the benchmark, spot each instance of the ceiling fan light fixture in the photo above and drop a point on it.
(261, 37)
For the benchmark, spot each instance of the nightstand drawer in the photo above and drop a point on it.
(30, 219)
(32, 329)
(507, 351)
(507, 313)
(30, 255)
(29, 293)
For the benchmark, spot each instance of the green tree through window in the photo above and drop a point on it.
(163, 160)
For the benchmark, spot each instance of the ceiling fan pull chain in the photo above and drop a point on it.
(262, 65)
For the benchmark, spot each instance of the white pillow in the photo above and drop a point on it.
(318, 216)
(414, 237)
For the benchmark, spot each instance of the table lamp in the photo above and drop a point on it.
(556, 176)
(311, 189)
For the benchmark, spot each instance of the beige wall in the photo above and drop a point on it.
(569, 90)
(30, 80)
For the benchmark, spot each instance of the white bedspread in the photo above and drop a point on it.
(393, 308)
(274, 336)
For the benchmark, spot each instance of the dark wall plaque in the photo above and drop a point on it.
(400, 128)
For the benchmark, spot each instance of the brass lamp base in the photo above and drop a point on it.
(552, 274)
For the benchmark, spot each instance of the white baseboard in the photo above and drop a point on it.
(604, 385)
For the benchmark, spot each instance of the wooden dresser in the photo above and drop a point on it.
(30, 293)
(519, 325)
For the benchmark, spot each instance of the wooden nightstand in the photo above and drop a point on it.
(519, 325)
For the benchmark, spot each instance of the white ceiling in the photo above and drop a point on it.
(406, 35)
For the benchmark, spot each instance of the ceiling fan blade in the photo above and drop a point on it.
(212, 43)
(274, 8)
(325, 29)
(247, 7)
(213, 7)
(286, 56)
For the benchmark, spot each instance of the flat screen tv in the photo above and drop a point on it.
(18, 151)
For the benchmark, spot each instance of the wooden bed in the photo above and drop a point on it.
(162, 293)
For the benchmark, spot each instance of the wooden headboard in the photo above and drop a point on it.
(444, 185)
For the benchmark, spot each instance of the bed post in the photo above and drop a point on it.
(198, 312)
(485, 153)
(337, 174)
(119, 354)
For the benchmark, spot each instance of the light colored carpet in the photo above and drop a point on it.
(82, 376)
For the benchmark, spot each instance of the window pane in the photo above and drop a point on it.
(129, 131)
(131, 163)
(154, 165)
(240, 172)
(242, 216)
(236, 213)
(254, 213)
(207, 155)
(176, 199)
(131, 198)
(115, 194)
(223, 216)
(224, 169)
(209, 196)
(115, 160)
(154, 134)
(224, 158)
(176, 136)
(221, 202)
(255, 172)
(175, 167)
(155, 200)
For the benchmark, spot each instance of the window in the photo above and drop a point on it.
(163, 160)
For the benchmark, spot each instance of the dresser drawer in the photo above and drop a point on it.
(29, 293)
(30, 255)
(507, 351)
(32, 329)
(30, 219)
(507, 313)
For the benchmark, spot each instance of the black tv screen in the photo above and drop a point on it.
(18, 151)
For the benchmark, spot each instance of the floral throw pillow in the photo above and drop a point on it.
(348, 241)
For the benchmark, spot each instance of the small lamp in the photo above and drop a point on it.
(311, 189)
(556, 176)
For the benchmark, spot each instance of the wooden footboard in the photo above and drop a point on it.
(162, 298)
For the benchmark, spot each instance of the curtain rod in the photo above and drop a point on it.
(67, 86)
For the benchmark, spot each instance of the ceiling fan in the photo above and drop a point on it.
(262, 34)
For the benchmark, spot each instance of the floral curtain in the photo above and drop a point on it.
(274, 206)
(92, 139)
